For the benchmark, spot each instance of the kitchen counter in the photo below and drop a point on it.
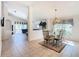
(37, 34)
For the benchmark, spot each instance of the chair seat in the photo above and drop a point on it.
(56, 39)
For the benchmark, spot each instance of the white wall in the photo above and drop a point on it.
(45, 10)
(5, 32)
(0, 30)
(75, 30)
(0, 40)
(30, 27)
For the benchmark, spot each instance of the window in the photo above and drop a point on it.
(20, 26)
(66, 27)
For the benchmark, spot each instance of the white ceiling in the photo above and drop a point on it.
(17, 9)
(65, 7)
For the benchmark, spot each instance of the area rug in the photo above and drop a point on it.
(54, 47)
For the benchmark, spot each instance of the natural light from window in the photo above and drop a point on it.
(66, 27)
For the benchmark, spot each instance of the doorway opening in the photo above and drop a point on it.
(19, 27)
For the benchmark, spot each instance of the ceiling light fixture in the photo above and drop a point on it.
(56, 19)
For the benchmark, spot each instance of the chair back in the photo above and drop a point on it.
(60, 34)
(46, 34)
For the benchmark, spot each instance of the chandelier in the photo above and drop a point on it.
(56, 19)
